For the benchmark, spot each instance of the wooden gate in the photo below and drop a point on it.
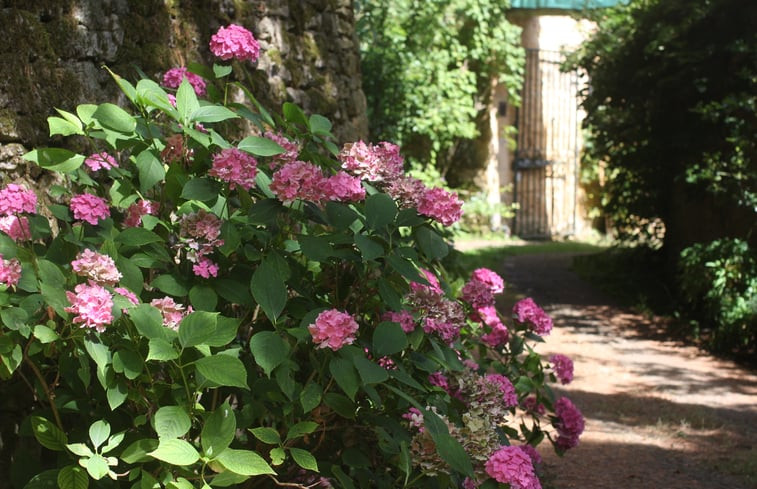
(546, 159)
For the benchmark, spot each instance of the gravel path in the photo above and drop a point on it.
(658, 414)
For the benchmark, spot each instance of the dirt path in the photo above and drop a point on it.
(658, 414)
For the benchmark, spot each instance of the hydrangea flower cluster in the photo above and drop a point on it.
(200, 235)
(15, 199)
(234, 42)
(235, 167)
(99, 268)
(479, 292)
(17, 227)
(306, 181)
(171, 311)
(10, 271)
(526, 311)
(441, 316)
(291, 149)
(509, 397)
(333, 329)
(103, 160)
(89, 208)
(138, 209)
(381, 162)
(512, 465)
(569, 423)
(403, 318)
(173, 78)
(92, 306)
(563, 368)
(441, 205)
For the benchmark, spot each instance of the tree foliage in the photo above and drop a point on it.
(428, 66)
(672, 102)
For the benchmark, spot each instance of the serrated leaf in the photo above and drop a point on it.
(55, 159)
(432, 245)
(304, 459)
(218, 431)
(137, 237)
(202, 189)
(369, 248)
(79, 449)
(197, 327)
(269, 289)
(223, 370)
(116, 395)
(300, 429)
(212, 113)
(388, 338)
(162, 350)
(72, 477)
(175, 452)
(244, 462)
(97, 467)
(278, 456)
(168, 284)
(266, 435)
(44, 334)
(260, 146)
(370, 373)
(63, 127)
(380, 211)
(128, 362)
(139, 451)
(115, 118)
(148, 321)
(310, 397)
(269, 350)
(151, 170)
(320, 125)
(47, 434)
(345, 376)
(186, 101)
(171, 422)
(99, 431)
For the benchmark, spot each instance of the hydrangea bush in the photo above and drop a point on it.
(194, 311)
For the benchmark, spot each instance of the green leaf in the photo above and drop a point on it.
(55, 159)
(63, 127)
(197, 327)
(380, 211)
(345, 376)
(267, 435)
(341, 216)
(388, 338)
(186, 102)
(44, 334)
(300, 429)
(340, 404)
(223, 370)
(137, 236)
(244, 462)
(202, 189)
(453, 453)
(128, 362)
(47, 434)
(170, 285)
(117, 394)
(148, 321)
(171, 422)
(218, 431)
(269, 289)
(114, 117)
(294, 114)
(320, 125)
(221, 71)
(269, 350)
(304, 459)
(175, 452)
(151, 170)
(113, 442)
(316, 248)
(310, 397)
(125, 86)
(161, 350)
(369, 248)
(80, 449)
(234, 291)
(405, 268)
(369, 372)
(278, 456)
(212, 113)
(85, 111)
(139, 451)
(99, 432)
(432, 245)
(260, 146)
(226, 331)
(203, 297)
(150, 93)
(97, 467)
(98, 352)
(72, 477)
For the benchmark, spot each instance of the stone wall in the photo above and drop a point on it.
(54, 52)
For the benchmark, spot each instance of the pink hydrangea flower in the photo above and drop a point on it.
(526, 311)
(171, 311)
(404, 318)
(15, 199)
(138, 209)
(101, 160)
(205, 268)
(532, 454)
(406, 190)
(531, 405)
(498, 336)
(10, 271)
(469, 483)
(234, 41)
(490, 278)
(570, 423)
(16, 227)
(235, 167)
(128, 294)
(291, 149)
(373, 163)
(344, 188)
(439, 380)
(441, 205)
(505, 386)
(511, 465)
(563, 367)
(92, 305)
(89, 208)
(173, 78)
(98, 268)
(477, 294)
(414, 417)
(333, 329)
(446, 330)
(298, 180)
(432, 280)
